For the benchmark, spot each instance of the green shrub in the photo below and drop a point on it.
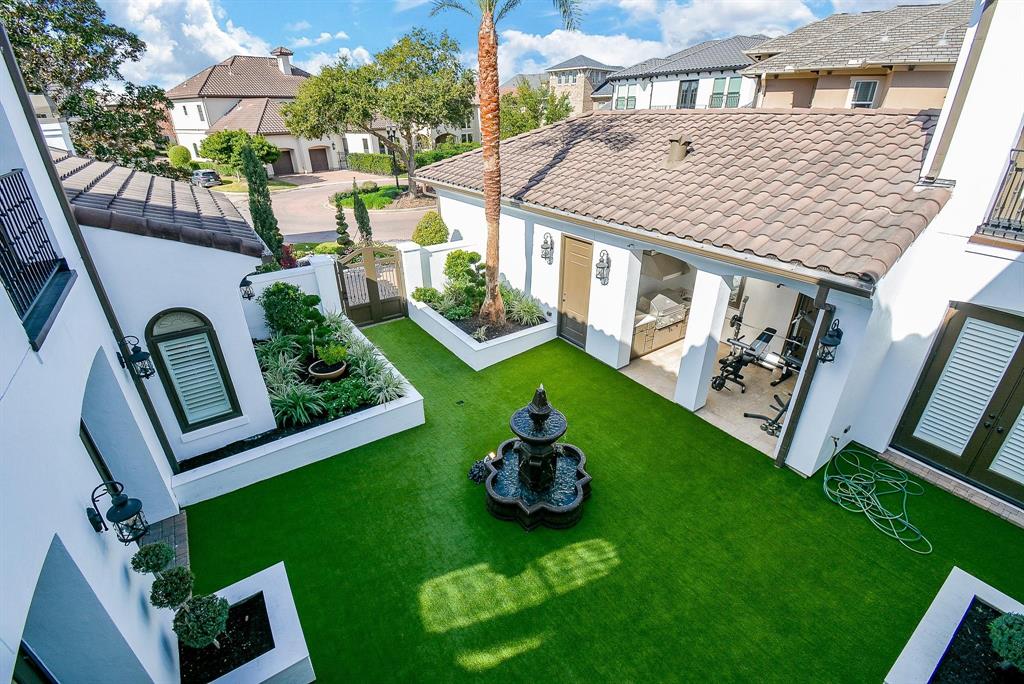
(345, 396)
(172, 588)
(430, 230)
(340, 327)
(520, 307)
(368, 186)
(368, 162)
(201, 620)
(363, 360)
(179, 157)
(296, 404)
(443, 151)
(466, 283)
(222, 169)
(1007, 633)
(427, 295)
(480, 334)
(283, 307)
(377, 199)
(281, 372)
(268, 350)
(385, 386)
(152, 558)
(328, 248)
(332, 354)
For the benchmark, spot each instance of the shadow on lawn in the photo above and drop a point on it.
(473, 594)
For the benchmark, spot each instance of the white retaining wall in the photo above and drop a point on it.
(317, 279)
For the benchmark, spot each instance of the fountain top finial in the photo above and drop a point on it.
(539, 407)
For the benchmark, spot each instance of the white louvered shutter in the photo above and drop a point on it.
(196, 377)
(973, 371)
(1009, 462)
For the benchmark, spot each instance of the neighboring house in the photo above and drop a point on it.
(703, 76)
(55, 127)
(902, 228)
(577, 78)
(901, 57)
(361, 141)
(533, 80)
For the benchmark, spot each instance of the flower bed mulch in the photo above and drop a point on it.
(470, 326)
(969, 658)
(247, 637)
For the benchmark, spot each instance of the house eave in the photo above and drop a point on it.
(772, 267)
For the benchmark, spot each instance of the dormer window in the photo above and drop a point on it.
(863, 94)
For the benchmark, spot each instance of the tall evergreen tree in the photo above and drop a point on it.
(362, 215)
(344, 239)
(263, 219)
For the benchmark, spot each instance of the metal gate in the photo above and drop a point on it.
(371, 284)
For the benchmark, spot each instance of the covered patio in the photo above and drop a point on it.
(695, 557)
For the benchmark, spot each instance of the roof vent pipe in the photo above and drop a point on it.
(678, 148)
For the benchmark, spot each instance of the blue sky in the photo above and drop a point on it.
(185, 36)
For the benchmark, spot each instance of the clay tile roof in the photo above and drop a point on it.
(258, 115)
(241, 76)
(105, 195)
(906, 34)
(711, 55)
(834, 190)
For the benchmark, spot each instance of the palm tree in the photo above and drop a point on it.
(492, 12)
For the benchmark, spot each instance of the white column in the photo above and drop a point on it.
(326, 282)
(412, 265)
(703, 334)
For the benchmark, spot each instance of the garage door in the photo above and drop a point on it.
(283, 165)
(318, 159)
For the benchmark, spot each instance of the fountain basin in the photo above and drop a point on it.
(558, 506)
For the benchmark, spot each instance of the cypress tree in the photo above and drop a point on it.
(263, 219)
(362, 215)
(344, 240)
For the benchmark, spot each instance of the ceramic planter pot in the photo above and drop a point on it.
(321, 371)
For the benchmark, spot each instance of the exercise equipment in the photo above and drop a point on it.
(859, 481)
(741, 356)
(773, 424)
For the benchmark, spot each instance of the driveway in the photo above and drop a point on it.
(306, 215)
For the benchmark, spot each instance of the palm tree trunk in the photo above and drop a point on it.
(493, 309)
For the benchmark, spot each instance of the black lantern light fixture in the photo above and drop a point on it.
(125, 513)
(604, 265)
(547, 249)
(135, 356)
(829, 343)
(245, 287)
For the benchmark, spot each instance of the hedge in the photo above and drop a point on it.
(443, 151)
(222, 169)
(366, 162)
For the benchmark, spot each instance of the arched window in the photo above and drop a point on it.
(191, 368)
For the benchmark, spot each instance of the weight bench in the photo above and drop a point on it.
(741, 356)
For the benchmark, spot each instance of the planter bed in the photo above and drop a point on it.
(247, 637)
(479, 355)
(940, 649)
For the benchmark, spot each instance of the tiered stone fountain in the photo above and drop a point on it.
(533, 480)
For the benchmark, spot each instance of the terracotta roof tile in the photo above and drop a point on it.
(241, 76)
(824, 189)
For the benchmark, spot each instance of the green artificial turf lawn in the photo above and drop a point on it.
(696, 559)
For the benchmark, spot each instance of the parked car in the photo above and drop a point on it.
(206, 178)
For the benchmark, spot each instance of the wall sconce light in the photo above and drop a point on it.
(547, 249)
(604, 265)
(829, 343)
(245, 287)
(138, 358)
(125, 513)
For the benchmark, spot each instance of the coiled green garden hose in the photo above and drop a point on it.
(858, 480)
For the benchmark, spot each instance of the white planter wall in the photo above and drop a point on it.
(316, 279)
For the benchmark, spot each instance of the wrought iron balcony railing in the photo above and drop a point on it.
(27, 259)
(1006, 218)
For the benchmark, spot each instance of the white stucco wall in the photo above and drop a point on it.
(662, 92)
(145, 276)
(46, 475)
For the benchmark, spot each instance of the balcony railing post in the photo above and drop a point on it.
(1006, 218)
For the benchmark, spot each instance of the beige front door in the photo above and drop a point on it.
(577, 256)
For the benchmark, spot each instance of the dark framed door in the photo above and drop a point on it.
(318, 159)
(284, 166)
(688, 94)
(965, 413)
(577, 256)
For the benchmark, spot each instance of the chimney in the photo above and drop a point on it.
(678, 148)
(284, 62)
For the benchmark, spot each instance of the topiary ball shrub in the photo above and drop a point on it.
(328, 248)
(431, 230)
(201, 620)
(179, 156)
(368, 186)
(1007, 633)
(283, 308)
(152, 558)
(172, 588)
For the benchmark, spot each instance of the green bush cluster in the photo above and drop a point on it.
(373, 199)
(222, 169)
(198, 620)
(1007, 634)
(179, 157)
(289, 311)
(464, 292)
(368, 186)
(431, 230)
(369, 162)
(443, 151)
(520, 307)
(332, 354)
(329, 248)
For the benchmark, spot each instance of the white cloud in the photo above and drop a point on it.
(520, 52)
(324, 37)
(403, 5)
(182, 38)
(300, 25)
(683, 24)
(868, 5)
(318, 60)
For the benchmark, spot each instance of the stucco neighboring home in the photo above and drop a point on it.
(362, 142)
(246, 92)
(578, 77)
(703, 76)
(900, 57)
(533, 80)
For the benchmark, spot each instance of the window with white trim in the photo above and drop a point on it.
(572, 78)
(862, 95)
(195, 148)
(723, 96)
(626, 96)
(199, 111)
(192, 369)
(366, 145)
(184, 110)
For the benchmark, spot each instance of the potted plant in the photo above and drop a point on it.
(330, 362)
